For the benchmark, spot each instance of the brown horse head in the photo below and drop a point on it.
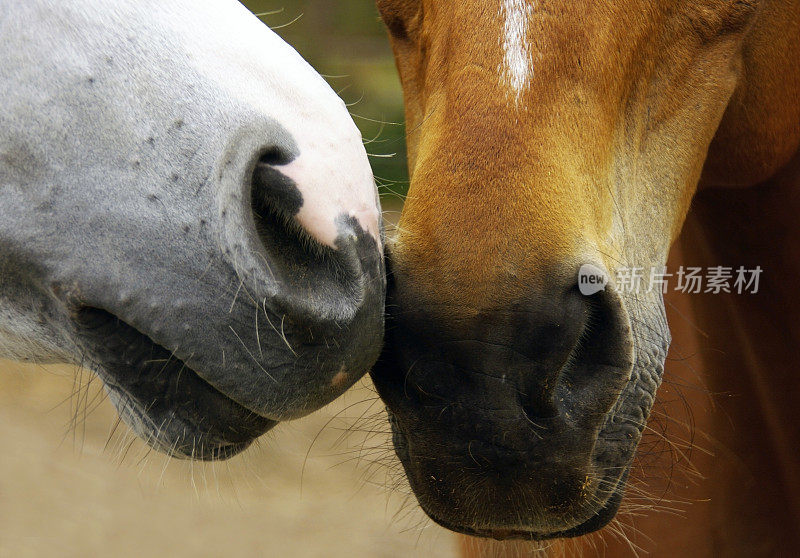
(545, 135)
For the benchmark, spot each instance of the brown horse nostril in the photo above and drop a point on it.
(537, 413)
(548, 334)
(600, 362)
(557, 356)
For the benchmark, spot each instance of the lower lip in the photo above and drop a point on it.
(503, 534)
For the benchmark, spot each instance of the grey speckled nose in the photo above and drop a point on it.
(204, 234)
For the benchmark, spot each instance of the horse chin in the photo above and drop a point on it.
(581, 522)
(600, 519)
(164, 401)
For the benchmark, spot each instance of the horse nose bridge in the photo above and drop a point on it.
(493, 220)
(477, 179)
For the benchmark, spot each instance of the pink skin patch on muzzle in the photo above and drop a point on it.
(334, 177)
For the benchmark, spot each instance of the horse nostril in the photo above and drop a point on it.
(599, 364)
(312, 281)
(277, 155)
(579, 356)
(538, 412)
(273, 194)
(552, 354)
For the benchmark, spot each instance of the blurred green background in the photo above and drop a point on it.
(346, 42)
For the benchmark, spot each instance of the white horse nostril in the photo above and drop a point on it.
(334, 181)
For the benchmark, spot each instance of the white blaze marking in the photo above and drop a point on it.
(515, 70)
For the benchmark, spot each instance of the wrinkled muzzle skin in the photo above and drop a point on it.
(186, 208)
(542, 136)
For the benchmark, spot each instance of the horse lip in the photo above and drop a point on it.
(597, 520)
(209, 450)
(176, 412)
(590, 525)
(309, 329)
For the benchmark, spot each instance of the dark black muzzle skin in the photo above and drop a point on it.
(512, 425)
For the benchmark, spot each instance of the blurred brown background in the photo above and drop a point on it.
(74, 482)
